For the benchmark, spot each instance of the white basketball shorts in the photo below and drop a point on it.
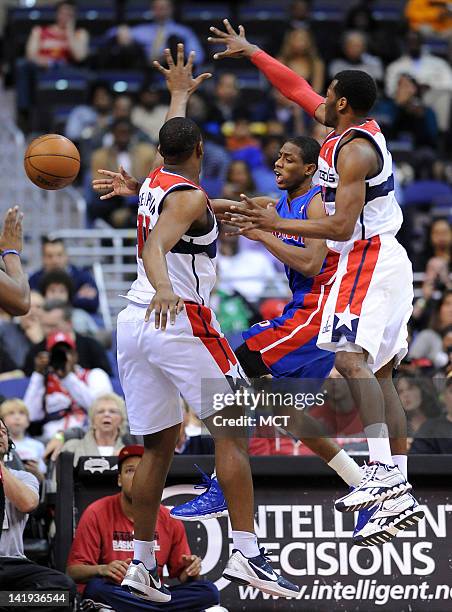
(370, 302)
(190, 358)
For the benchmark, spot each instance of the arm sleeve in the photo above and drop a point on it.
(86, 547)
(34, 397)
(288, 82)
(179, 547)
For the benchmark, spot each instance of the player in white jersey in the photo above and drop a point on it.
(159, 360)
(365, 317)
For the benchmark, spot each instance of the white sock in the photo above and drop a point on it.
(401, 461)
(378, 441)
(246, 542)
(346, 468)
(145, 552)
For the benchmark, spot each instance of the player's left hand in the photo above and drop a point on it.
(254, 217)
(192, 566)
(11, 236)
(163, 301)
(236, 43)
(179, 76)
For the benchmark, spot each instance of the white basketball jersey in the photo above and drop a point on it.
(381, 213)
(192, 261)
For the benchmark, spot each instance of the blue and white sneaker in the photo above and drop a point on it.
(144, 583)
(258, 573)
(379, 482)
(207, 505)
(381, 523)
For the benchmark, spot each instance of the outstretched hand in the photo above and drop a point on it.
(179, 76)
(236, 43)
(254, 217)
(11, 235)
(119, 183)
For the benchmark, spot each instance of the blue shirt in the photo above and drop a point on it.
(146, 33)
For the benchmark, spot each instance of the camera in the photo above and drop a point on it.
(58, 357)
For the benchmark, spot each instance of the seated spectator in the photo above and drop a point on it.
(106, 435)
(238, 180)
(447, 350)
(300, 14)
(18, 335)
(8, 368)
(57, 317)
(149, 113)
(103, 548)
(120, 51)
(16, 417)
(60, 391)
(277, 110)
(55, 257)
(434, 74)
(57, 285)
(246, 271)
(429, 16)
(428, 343)
(242, 145)
(225, 103)
(299, 53)
(157, 36)
(264, 176)
(85, 119)
(419, 400)
(434, 437)
(55, 45)
(355, 57)
(439, 242)
(136, 158)
(17, 573)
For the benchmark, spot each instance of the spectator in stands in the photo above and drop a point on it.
(16, 417)
(52, 46)
(103, 548)
(149, 113)
(55, 257)
(419, 399)
(60, 391)
(435, 435)
(226, 99)
(242, 144)
(57, 317)
(136, 158)
(439, 245)
(18, 335)
(120, 52)
(246, 271)
(432, 17)
(428, 343)
(239, 180)
(447, 350)
(17, 573)
(106, 435)
(264, 175)
(356, 57)
(164, 32)
(85, 119)
(57, 285)
(431, 72)
(299, 53)
(280, 112)
(300, 14)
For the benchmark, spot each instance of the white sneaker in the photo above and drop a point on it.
(380, 482)
(383, 522)
(144, 583)
(258, 573)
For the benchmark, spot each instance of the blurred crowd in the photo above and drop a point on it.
(61, 344)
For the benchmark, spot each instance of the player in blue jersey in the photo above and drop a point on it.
(286, 346)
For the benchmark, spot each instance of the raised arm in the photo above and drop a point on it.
(288, 82)
(14, 287)
(353, 166)
(181, 210)
(181, 84)
(221, 206)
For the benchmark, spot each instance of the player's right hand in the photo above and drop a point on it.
(163, 301)
(118, 183)
(11, 236)
(115, 570)
(236, 44)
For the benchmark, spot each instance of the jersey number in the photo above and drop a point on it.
(142, 232)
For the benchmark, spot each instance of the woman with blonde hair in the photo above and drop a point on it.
(106, 435)
(299, 52)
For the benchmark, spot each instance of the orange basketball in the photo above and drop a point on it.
(52, 161)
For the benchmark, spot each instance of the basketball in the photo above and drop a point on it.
(52, 161)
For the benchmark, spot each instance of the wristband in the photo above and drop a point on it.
(10, 252)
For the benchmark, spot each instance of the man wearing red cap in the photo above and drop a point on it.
(61, 391)
(103, 548)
